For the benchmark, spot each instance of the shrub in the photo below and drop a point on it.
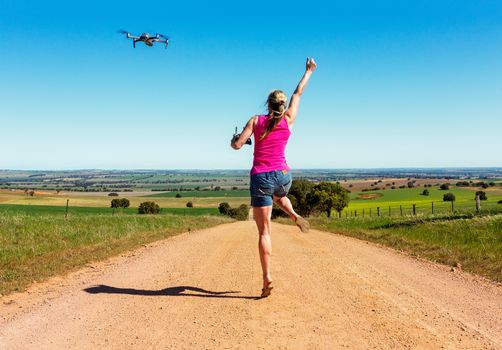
(178, 195)
(235, 188)
(224, 208)
(485, 185)
(402, 186)
(482, 195)
(425, 192)
(189, 205)
(463, 184)
(113, 194)
(217, 188)
(448, 197)
(148, 208)
(241, 213)
(500, 201)
(120, 203)
(411, 184)
(393, 187)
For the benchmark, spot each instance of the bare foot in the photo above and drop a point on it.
(266, 290)
(302, 224)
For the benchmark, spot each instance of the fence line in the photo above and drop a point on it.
(434, 207)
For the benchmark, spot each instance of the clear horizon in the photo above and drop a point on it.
(415, 85)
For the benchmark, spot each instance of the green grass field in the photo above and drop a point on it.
(36, 245)
(60, 210)
(407, 197)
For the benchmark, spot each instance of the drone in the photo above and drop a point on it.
(146, 38)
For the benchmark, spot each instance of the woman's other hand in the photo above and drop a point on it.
(310, 65)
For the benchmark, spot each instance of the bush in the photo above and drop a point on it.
(500, 201)
(425, 192)
(411, 184)
(148, 208)
(189, 205)
(448, 197)
(463, 184)
(482, 195)
(241, 213)
(113, 194)
(444, 187)
(178, 195)
(120, 203)
(402, 186)
(224, 208)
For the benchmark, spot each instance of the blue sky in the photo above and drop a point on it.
(399, 83)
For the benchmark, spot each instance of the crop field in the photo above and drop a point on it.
(203, 194)
(13, 209)
(406, 198)
(78, 199)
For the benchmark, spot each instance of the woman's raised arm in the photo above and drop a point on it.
(310, 67)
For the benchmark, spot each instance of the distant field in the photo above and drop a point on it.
(407, 197)
(203, 194)
(98, 200)
(51, 209)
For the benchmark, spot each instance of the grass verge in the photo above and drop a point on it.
(34, 247)
(474, 242)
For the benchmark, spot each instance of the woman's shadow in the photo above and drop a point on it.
(180, 291)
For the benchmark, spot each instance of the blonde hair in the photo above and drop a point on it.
(276, 103)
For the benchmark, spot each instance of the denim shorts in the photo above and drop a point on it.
(266, 185)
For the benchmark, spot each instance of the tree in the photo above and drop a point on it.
(120, 203)
(113, 194)
(482, 195)
(148, 208)
(444, 187)
(178, 195)
(449, 197)
(189, 205)
(224, 208)
(425, 192)
(326, 196)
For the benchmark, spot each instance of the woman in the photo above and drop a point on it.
(270, 176)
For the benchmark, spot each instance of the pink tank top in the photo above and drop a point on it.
(269, 152)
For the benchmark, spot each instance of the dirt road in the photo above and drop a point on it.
(198, 291)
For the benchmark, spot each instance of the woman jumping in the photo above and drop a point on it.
(270, 176)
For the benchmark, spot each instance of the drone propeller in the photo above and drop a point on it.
(122, 31)
(163, 36)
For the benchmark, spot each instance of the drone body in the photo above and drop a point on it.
(146, 38)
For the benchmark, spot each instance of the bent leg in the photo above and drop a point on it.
(285, 204)
(263, 219)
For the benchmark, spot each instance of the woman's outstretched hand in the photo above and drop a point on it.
(310, 65)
